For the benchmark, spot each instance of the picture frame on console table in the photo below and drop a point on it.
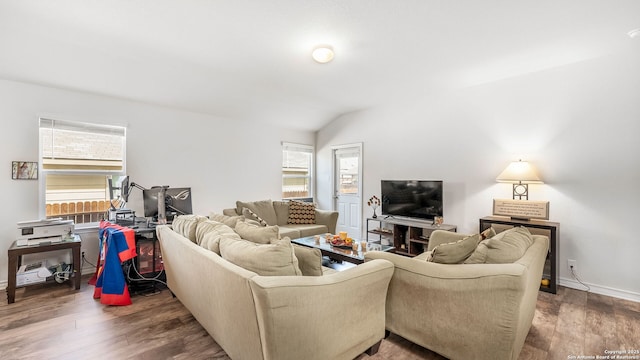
(521, 209)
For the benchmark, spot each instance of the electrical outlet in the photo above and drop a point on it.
(572, 265)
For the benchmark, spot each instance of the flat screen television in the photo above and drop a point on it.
(420, 199)
(177, 201)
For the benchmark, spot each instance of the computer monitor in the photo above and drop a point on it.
(122, 187)
(177, 201)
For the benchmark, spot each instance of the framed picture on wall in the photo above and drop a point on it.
(24, 170)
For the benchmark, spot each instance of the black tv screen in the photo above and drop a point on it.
(420, 199)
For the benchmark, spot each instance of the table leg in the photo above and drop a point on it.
(76, 267)
(11, 285)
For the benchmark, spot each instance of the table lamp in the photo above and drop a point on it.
(520, 174)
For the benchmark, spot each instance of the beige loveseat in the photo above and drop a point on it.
(277, 213)
(464, 311)
(337, 315)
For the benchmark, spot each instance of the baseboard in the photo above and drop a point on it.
(602, 290)
(3, 285)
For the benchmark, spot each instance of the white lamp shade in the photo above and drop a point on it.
(322, 54)
(520, 172)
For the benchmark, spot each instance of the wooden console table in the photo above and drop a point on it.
(15, 254)
(548, 228)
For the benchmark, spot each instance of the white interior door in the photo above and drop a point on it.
(347, 175)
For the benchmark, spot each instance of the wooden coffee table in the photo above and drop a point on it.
(338, 253)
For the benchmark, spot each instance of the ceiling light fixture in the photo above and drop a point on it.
(634, 33)
(322, 54)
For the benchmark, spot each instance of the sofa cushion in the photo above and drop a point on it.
(250, 215)
(505, 247)
(185, 225)
(257, 234)
(309, 229)
(301, 213)
(230, 221)
(275, 259)
(282, 211)
(309, 260)
(289, 231)
(263, 208)
(209, 233)
(454, 252)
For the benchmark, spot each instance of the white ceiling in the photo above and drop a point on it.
(250, 60)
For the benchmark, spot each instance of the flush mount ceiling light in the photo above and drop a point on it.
(322, 54)
(634, 33)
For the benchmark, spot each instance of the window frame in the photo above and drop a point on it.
(303, 148)
(77, 126)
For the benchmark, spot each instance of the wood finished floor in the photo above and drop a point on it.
(52, 321)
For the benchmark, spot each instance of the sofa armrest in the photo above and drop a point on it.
(438, 237)
(334, 316)
(328, 218)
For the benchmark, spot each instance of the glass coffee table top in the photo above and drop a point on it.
(340, 253)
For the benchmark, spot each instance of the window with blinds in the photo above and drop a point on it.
(297, 171)
(76, 161)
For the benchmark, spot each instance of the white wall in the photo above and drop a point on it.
(578, 124)
(221, 160)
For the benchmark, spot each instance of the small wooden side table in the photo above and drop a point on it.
(15, 261)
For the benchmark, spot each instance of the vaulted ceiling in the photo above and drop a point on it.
(250, 59)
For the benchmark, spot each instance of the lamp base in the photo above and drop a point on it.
(520, 190)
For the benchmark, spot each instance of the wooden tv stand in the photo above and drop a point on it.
(410, 237)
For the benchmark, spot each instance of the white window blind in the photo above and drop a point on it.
(297, 170)
(77, 159)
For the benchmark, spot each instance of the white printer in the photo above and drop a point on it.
(36, 232)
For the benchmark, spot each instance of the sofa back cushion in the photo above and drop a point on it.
(230, 221)
(277, 259)
(309, 260)
(301, 213)
(263, 208)
(282, 211)
(209, 233)
(186, 225)
(505, 247)
(257, 234)
(454, 252)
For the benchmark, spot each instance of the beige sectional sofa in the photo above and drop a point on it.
(477, 310)
(277, 213)
(337, 315)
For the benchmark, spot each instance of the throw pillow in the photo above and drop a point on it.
(248, 214)
(230, 221)
(275, 259)
(185, 225)
(263, 208)
(301, 213)
(454, 252)
(309, 260)
(489, 233)
(209, 233)
(506, 247)
(257, 234)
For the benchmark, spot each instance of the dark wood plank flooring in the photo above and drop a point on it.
(51, 321)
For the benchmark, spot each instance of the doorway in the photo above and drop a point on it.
(347, 187)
